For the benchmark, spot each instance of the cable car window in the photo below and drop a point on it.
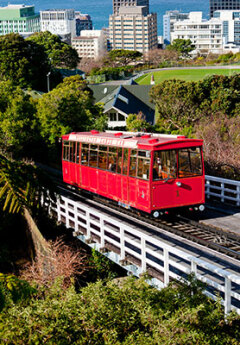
(164, 165)
(102, 157)
(112, 159)
(119, 160)
(189, 162)
(133, 163)
(78, 151)
(66, 150)
(93, 156)
(84, 154)
(72, 151)
(143, 164)
(125, 162)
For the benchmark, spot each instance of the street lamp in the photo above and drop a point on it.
(48, 81)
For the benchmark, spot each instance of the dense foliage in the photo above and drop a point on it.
(119, 312)
(23, 62)
(69, 107)
(209, 108)
(182, 46)
(60, 54)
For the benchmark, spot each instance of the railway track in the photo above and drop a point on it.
(207, 236)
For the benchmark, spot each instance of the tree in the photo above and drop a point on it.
(122, 57)
(159, 56)
(137, 123)
(22, 186)
(60, 54)
(19, 130)
(182, 46)
(177, 103)
(23, 62)
(69, 107)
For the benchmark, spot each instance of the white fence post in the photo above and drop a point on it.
(222, 192)
(193, 267)
(88, 224)
(102, 234)
(238, 195)
(227, 295)
(143, 251)
(207, 191)
(166, 266)
(122, 247)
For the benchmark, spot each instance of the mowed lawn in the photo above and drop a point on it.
(183, 74)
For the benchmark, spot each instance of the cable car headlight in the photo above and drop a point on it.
(201, 208)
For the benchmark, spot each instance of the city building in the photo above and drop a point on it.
(169, 18)
(90, 44)
(120, 101)
(223, 5)
(125, 3)
(19, 18)
(83, 22)
(133, 29)
(206, 35)
(60, 22)
(231, 25)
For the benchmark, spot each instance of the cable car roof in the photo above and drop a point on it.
(130, 139)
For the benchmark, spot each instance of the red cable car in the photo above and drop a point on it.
(149, 172)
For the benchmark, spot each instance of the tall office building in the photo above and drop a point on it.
(83, 22)
(118, 3)
(223, 5)
(59, 22)
(18, 18)
(133, 29)
(169, 18)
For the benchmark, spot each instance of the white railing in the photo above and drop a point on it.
(223, 189)
(140, 252)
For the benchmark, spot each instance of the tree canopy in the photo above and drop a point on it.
(60, 54)
(122, 57)
(19, 130)
(68, 107)
(182, 46)
(23, 62)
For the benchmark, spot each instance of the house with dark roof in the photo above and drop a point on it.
(121, 100)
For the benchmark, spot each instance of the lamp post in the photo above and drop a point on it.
(48, 81)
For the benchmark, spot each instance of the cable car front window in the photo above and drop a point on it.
(84, 154)
(189, 162)
(93, 157)
(143, 164)
(164, 165)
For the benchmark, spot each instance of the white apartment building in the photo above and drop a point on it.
(206, 35)
(133, 29)
(60, 22)
(169, 18)
(90, 44)
(231, 25)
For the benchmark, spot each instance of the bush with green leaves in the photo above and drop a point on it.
(126, 311)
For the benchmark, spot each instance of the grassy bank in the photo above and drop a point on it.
(184, 74)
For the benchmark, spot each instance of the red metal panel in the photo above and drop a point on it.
(132, 192)
(84, 177)
(102, 182)
(93, 179)
(66, 172)
(168, 194)
(143, 194)
(124, 189)
(112, 185)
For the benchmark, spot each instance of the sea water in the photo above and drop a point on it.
(99, 10)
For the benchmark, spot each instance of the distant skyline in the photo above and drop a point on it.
(99, 10)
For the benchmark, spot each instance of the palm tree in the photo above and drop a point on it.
(22, 186)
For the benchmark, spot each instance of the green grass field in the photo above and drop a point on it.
(183, 74)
